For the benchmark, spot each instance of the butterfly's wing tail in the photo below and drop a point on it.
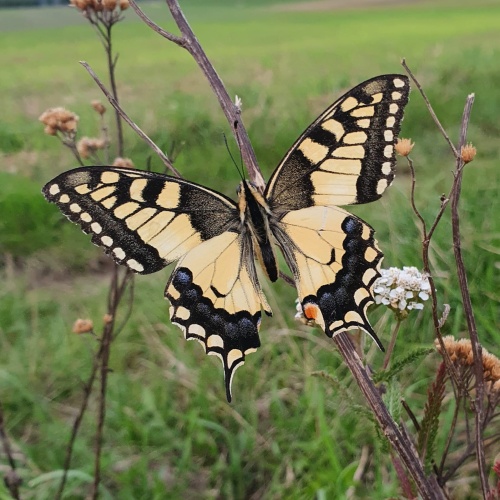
(216, 299)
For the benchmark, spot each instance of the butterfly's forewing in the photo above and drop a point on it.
(347, 155)
(216, 299)
(142, 219)
(334, 259)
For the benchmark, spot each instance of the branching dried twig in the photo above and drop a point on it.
(189, 42)
(132, 125)
(467, 304)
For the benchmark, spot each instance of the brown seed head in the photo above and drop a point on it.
(107, 318)
(123, 163)
(59, 120)
(99, 107)
(468, 153)
(83, 326)
(404, 146)
(80, 4)
(109, 4)
(124, 5)
(87, 146)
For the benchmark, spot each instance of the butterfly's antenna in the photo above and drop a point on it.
(232, 157)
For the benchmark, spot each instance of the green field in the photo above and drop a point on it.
(169, 432)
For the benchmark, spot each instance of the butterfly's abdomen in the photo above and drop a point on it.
(255, 216)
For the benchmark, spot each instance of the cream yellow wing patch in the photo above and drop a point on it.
(335, 260)
(216, 299)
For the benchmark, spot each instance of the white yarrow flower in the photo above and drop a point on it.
(402, 289)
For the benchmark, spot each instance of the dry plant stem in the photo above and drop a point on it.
(116, 291)
(467, 304)
(426, 241)
(189, 42)
(400, 442)
(429, 107)
(392, 343)
(87, 391)
(11, 478)
(164, 158)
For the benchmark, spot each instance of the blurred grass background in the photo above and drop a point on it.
(169, 431)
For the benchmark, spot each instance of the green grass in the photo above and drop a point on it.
(169, 431)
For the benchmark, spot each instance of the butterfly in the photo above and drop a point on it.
(146, 221)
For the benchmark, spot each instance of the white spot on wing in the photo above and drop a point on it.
(388, 135)
(85, 216)
(388, 151)
(382, 186)
(107, 241)
(390, 122)
(393, 108)
(399, 83)
(135, 266)
(64, 198)
(386, 168)
(54, 189)
(74, 207)
(396, 96)
(120, 254)
(198, 330)
(96, 227)
(182, 313)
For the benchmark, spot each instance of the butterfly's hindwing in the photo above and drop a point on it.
(335, 260)
(347, 155)
(142, 219)
(216, 299)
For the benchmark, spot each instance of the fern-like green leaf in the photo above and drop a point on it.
(430, 423)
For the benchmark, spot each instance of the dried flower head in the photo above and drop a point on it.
(468, 153)
(123, 163)
(99, 107)
(83, 326)
(59, 120)
(109, 4)
(460, 353)
(404, 146)
(401, 289)
(80, 4)
(124, 4)
(107, 318)
(88, 146)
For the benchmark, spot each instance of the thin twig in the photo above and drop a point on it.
(429, 107)
(392, 343)
(467, 303)
(426, 241)
(164, 158)
(87, 391)
(189, 42)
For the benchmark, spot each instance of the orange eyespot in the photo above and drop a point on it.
(311, 311)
